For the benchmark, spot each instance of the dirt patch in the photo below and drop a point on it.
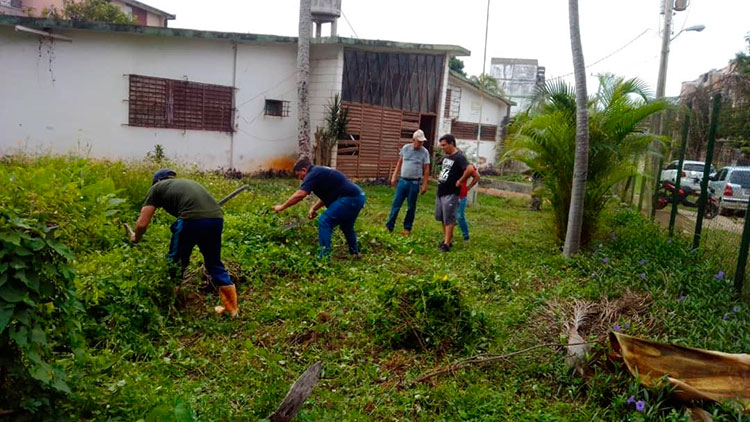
(502, 193)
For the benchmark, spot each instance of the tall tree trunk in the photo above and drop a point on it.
(303, 76)
(580, 168)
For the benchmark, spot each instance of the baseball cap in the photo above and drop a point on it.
(419, 134)
(163, 174)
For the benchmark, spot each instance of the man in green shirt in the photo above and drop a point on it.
(200, 221)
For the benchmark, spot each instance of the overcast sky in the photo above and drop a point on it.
(533, 29)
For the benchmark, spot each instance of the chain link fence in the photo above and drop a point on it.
(699, 187)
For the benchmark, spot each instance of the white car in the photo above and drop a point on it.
(732, 186)
(692, 173)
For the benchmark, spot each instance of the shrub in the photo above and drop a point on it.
(429, 313)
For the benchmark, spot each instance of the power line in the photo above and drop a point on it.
(605, 57)
(349, 23)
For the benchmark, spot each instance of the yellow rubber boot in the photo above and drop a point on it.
(228, 295)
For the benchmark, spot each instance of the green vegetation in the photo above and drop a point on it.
(91, 10)
(544, 139)
(128, 347)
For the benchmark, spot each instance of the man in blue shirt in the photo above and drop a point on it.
(413, 166)
(342, 198)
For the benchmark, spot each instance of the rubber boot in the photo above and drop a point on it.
(228, 296)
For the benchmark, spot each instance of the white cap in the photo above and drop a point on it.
(419, 135)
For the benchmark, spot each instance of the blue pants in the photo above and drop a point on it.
(409, 190)
(461, 218)
(342, 212)
(206, 233)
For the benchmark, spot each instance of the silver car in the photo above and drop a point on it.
(732, 186)
(692, 173)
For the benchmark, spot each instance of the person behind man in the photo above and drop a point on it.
(342, 198)
(200, 221)
(413, 165)
(455, 170)
(464, 193)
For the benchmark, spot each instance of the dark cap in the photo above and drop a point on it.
(163, 174)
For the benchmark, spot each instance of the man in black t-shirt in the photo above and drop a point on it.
(455, 170)
(342, 198)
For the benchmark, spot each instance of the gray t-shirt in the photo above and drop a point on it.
(413, 161)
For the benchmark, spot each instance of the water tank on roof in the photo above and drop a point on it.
(680, 5)
(330, 9)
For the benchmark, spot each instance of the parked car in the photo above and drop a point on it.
(732, 185)
(692, 172)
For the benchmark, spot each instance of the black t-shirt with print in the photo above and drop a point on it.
(452, 170)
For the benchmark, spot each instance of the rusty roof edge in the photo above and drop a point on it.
(454, 50)
(60, 24)
(43, 23)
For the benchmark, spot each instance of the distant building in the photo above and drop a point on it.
(461, 113)
(518, 78)
(144, 14)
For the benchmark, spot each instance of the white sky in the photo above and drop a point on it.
(534, 29)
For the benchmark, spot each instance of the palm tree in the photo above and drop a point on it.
(580, 166)
(487, 83)
(545, 139)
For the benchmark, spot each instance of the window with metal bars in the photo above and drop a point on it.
(278, 108)
(178, 104)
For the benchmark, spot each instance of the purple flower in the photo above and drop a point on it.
(605, 260)
(725, 317)
(681, 298)
(642, 262)
(643, 276)
(617, 328)
(631, 400)
(719, 275)
(640, 246)
(640, 405)
(736, 309)
(627, 326)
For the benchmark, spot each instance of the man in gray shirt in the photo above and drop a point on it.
(414, 168)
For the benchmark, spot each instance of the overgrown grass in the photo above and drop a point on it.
(150, 354)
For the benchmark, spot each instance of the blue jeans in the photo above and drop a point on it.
(461, 218)
(206, 233)
(342, 212)
(406, 189)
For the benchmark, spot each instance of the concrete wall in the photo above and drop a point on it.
(326, 73)
(71, 97)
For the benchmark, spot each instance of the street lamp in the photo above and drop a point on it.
(658, 126)
(696, 28)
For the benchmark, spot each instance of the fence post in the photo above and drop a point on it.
(707, 170)
(739, 274)
(683, 146)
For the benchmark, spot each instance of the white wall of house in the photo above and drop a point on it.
(326, 79)
(71, 97)
(493, 112)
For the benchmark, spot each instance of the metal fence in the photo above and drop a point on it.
(701, 192)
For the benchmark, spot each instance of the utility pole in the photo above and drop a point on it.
(658, 126)
(303, 77)
(483, 77)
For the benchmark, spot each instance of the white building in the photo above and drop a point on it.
(465, 102)
(519, 79)
(212, 99)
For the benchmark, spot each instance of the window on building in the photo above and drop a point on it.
(178, 104)
(277, 108)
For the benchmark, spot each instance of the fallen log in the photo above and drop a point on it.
(297, 395)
